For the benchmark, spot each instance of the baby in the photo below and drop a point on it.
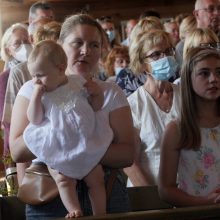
(66, 127)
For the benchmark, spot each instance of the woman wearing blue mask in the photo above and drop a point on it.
(117, 59)
(108, 26)
(154, 104)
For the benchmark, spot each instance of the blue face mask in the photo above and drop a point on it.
(111, 35)
(117, 70)
(164, 68)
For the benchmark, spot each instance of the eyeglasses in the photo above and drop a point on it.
(159, 54)
(211, 9)
(211, 45)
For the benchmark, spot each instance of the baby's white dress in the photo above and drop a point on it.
(72, 138)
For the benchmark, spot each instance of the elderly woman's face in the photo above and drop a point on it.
(83, 49)
(19, 37)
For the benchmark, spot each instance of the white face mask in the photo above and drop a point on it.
(22, 53)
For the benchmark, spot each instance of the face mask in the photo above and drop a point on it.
(111, 35)
(117, 70)
(164, 68)
(23, 52)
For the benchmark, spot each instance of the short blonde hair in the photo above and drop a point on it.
(6, 38)
(198, 36)
(145, 42)
(48, 49)
(146, 24)
(187, 25)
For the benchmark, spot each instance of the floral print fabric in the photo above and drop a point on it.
(199, 170)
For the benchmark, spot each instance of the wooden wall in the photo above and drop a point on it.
(12, 11)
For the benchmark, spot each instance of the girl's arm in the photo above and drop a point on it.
(167, 185)
(121, 152)
(35, 111)
(137, 175)
(19, 121)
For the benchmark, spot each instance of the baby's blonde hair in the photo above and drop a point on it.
(49, 50)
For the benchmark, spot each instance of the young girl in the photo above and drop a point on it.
(63, 126)
(190, 166)
(117, 59)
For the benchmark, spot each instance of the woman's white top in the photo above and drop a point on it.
(199, 170)
(151, 121)
(72, 138)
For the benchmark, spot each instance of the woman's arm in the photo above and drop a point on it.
(168, 189)
(19, 121)
(137, 175)
(121, 152)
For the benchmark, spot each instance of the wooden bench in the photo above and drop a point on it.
(191, 213)
(11, 208)
(146, 198)
(145, 203)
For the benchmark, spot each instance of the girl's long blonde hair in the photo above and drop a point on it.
(190, 137)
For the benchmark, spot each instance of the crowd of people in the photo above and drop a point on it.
(81, 100)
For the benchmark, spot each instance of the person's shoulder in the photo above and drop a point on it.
(172, 129)
(20, 66)
(28, 84)
(109, 86)
(26, 89)
(20, 70)
(126, 72)
(135, 98)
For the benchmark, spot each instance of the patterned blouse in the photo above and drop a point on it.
(129, 82)
(199, 170)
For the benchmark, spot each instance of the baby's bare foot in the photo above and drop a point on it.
(74, 214)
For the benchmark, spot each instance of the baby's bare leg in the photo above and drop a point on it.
(97, 193)
(68, 195)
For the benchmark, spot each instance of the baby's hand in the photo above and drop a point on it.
(39, 88)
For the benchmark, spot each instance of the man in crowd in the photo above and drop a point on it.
(40, 10)
(207, 13)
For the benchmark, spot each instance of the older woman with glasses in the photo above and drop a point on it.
(153, 105)
(128, 80)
